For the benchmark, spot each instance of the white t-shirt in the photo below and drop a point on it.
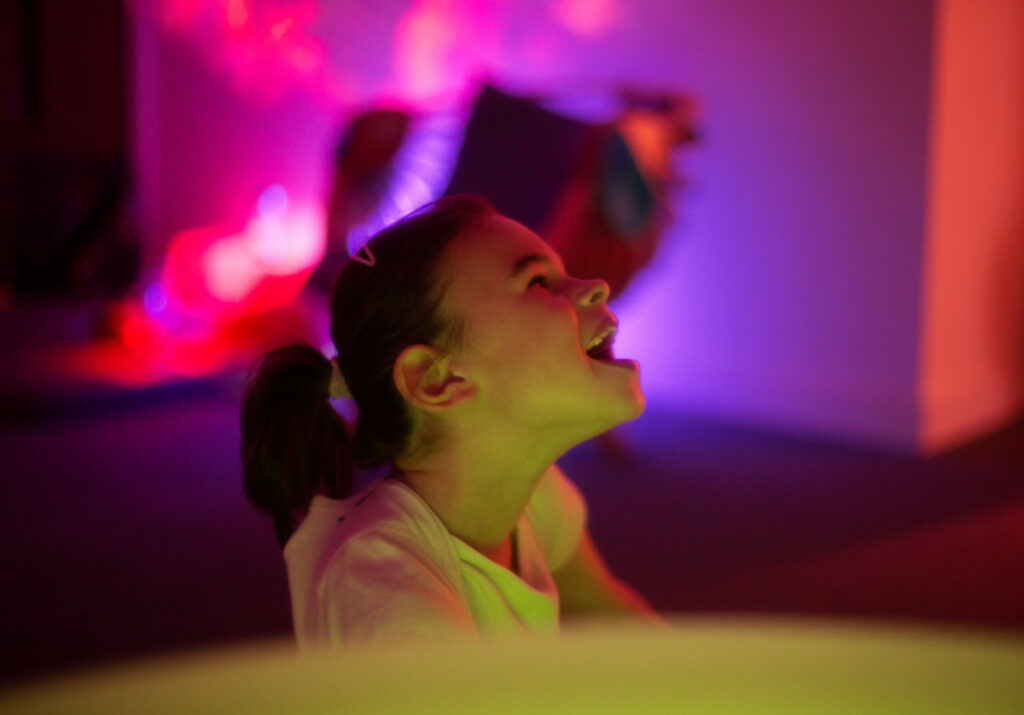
(382, 566)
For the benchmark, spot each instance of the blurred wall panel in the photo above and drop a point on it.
(972, 348)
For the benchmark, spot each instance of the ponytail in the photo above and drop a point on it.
(294, 443)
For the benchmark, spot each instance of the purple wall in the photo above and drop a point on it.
(791, 296)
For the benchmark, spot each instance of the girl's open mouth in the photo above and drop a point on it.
(603, 353)
(603, 350)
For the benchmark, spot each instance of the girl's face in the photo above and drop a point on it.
(527, 329)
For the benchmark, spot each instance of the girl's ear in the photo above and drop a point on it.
(427, 379)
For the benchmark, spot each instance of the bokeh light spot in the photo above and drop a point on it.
(272, 202)
(154, 299)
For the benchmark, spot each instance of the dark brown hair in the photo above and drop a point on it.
(294, 443)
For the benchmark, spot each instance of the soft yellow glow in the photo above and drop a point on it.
(700, 666)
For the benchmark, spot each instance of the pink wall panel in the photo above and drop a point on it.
(972, 351)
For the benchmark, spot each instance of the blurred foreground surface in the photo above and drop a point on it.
(706, 666)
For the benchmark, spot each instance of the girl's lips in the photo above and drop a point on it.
(620, 362)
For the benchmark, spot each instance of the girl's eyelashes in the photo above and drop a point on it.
(540, 279)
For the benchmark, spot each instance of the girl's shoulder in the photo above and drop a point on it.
(376, 563)
(389, 506)
(386, 512)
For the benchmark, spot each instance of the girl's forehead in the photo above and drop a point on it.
(496, 246)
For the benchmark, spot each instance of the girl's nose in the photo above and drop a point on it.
(592, 292)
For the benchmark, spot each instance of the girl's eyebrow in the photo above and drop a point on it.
(525, 262)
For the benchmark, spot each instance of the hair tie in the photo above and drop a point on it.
(337, 388)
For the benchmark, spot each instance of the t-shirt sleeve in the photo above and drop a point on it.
(380, 587)
(559, 517)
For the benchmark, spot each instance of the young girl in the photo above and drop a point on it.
(474, 363)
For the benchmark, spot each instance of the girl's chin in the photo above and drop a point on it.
(629, 406)
(639, 405)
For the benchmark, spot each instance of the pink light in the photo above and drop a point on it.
(278, 29)
(237, 14)
(288, 246)
(265, 47)
(422, 39)
(305, 59)
(141, 335)
(272, 202)
(440, 46)
(587, 17)
(230, 270)
(182, 14)
(215, 273)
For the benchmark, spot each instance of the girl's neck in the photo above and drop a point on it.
(482, 512)
(479, 485)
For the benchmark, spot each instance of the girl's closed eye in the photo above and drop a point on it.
(539, 279)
